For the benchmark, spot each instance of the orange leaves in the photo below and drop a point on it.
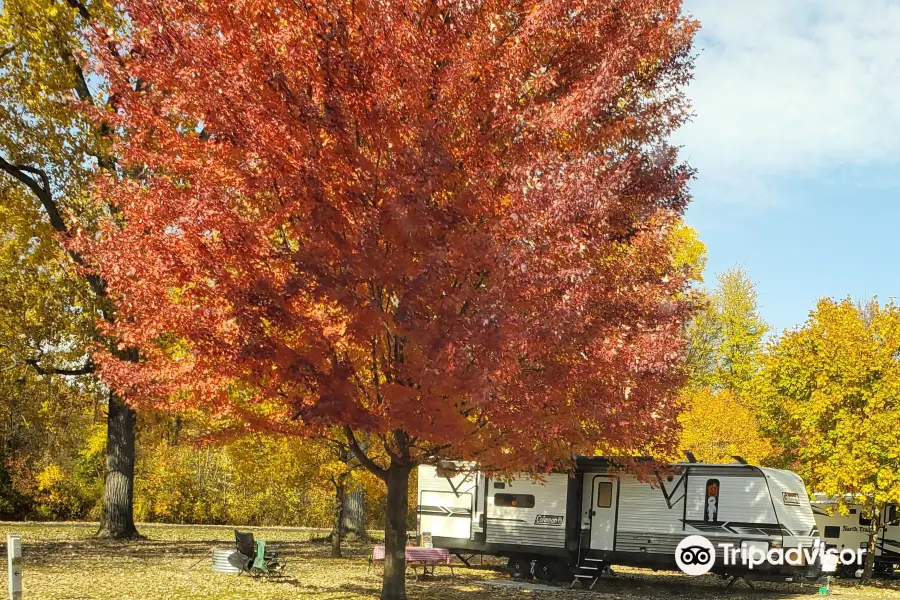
(448, 225)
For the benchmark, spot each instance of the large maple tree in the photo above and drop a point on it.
(444, 225)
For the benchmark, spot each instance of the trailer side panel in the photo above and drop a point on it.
(528, 513)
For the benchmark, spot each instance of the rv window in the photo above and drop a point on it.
(604, 494)
(832, 531)
(865, 522)
(499, 485)
(891, 516)
(514, 500)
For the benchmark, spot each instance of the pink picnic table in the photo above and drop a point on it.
(416, 556)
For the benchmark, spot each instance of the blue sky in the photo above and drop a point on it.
(797, 141)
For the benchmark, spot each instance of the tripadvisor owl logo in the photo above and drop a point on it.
(695, 555)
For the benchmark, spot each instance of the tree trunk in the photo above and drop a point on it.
(340, 489)
(117, 518)
(349, 515)
(869, 569)
(353, 519)
(393, 585)
(175, 436)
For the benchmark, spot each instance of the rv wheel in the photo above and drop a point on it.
(519, 567)
(847, 571)
(562, 571)
(548, 569)
(543, 569)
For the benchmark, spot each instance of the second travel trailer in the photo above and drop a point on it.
(577, 523)
(852, 531)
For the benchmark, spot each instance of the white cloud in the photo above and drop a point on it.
(787, 87)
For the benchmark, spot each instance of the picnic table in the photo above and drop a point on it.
(416, 556)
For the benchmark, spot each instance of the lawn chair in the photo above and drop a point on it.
(254, 558)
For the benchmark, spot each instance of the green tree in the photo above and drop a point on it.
(830, 395)
(725, 350)
(726, 338)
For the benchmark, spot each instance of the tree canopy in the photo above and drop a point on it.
(829, 390)
(830, 393)
(444, 224)
(727, 337)
(725, 351)
(342, 209)
(51, 147)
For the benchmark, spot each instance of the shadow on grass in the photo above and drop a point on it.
(634, 585)
(39, 552)
(285, 581)
(710, 586)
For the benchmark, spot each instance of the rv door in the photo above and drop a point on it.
(603, 512)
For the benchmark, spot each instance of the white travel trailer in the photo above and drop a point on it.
(575, 524)
(852, 530)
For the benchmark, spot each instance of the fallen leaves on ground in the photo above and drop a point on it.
(64, 562)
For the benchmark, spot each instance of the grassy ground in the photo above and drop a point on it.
(62, 562)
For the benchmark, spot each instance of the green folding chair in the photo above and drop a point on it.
(256, 561)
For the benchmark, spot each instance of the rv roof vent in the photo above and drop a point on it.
(740, 459)
(690, 456)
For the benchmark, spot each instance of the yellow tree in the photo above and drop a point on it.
(717, 426)
(725, 347)
(688, 251)
(46, 322)
(830, 393)
(50, 151)
(726, 338)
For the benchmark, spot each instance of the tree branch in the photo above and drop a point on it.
(362, 457)
(81, 86)
(106, 162)
(41, 189)
(434, 451)
(82, 9)
(88, 368)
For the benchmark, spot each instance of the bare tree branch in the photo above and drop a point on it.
(362, 456)
(88, 368)
(30, 176)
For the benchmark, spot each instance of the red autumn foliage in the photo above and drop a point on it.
(442, 222)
